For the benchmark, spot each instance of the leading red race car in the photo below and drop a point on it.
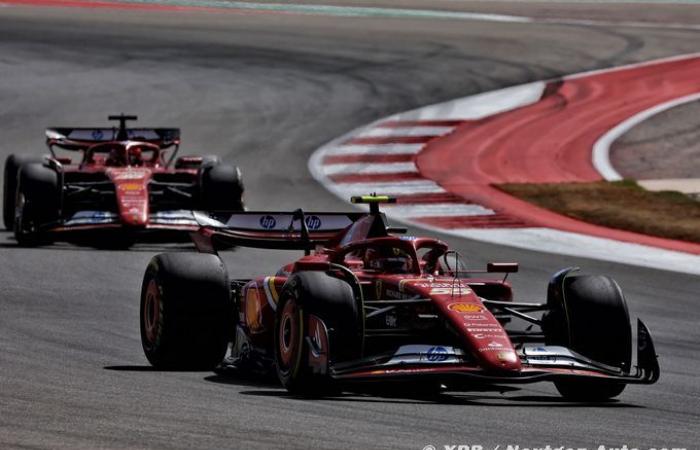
(124, 182)
(367, 304)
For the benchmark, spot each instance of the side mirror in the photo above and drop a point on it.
(502, 267)
(453, 264)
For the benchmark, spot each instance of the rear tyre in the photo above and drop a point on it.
(12, 166)
(590, 318)
(37, 202)
(332, 301)
(221, 188)
(186, 162)
(187, 313)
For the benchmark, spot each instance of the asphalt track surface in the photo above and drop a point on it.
(263, 91)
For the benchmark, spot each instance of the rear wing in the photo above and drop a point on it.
(82, 138)
(297, 230)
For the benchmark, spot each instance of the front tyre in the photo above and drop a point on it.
(317, 316)
(12, 165)
(37, 202)
(589, 315)
(186, 312)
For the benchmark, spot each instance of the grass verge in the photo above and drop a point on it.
(622, 204)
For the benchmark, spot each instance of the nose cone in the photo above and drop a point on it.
(484, 335)
(131, 187)
(132, 199)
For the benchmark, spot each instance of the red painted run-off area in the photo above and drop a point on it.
(551, 141)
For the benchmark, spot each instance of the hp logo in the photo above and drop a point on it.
(268, 222)
(437, 354)
(313, 222)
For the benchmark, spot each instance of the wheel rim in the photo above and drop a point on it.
(288, 335)
(151, 312)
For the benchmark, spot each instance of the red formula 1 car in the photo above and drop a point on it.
(123, 181)
(367, 304)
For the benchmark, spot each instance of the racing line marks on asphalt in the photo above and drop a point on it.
(249, 8)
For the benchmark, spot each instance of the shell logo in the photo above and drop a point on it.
(131, 187)
(465, 308)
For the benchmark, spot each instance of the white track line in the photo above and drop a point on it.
(378, 149)
(477, 106)
(406, 131)
(368, 168)
(437, 210)
(345, 190)
(601, 149)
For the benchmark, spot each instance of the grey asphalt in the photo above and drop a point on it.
(263, 91)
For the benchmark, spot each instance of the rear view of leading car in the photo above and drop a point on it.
(367, 304)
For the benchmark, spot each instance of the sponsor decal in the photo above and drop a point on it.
(486, 328)
(437, 354)
(268, 222)
(313, 222)
(487, 335)
(476, 318)
(391, 320)
(465, 308)
(130, 174)
(492, 347)
(450, 285)
(131, 187)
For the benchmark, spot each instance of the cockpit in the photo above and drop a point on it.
(121, 154)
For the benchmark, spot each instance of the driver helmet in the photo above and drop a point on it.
(115, 157)
(389, 260)
(135, 156)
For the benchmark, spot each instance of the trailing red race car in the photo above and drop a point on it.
(123, 181)
(367, 304)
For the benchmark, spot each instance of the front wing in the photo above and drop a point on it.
(177, 220)
(539, 363)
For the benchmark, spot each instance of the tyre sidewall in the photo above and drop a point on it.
(196, 312)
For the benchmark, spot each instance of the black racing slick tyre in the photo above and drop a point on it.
(37, 202)
(186, 162)
(321, 296)
(590, 317)
(187, 313)
(221, 188)
(9, 194)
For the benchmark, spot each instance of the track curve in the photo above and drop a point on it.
(264, 91)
